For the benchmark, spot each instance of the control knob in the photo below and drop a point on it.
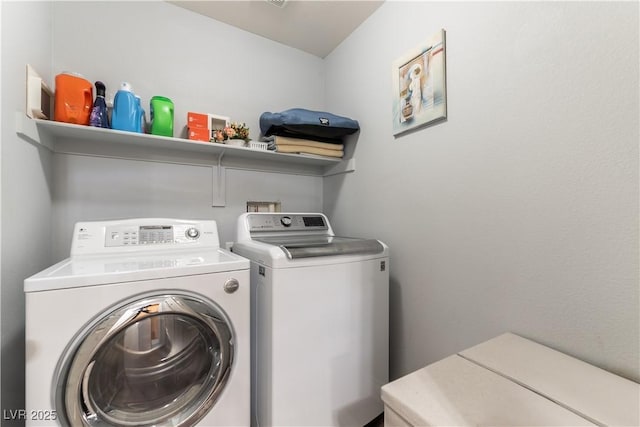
(192, 233)
(286, 221)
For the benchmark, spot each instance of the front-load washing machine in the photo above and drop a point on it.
(320, 334)
(146, 324)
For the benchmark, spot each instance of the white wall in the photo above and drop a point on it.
(201, 65)
(89, 188)
(520, 212)
(26, 186)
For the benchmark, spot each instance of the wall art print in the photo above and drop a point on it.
(419, 86)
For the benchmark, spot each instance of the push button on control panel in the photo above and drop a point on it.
(155, 234)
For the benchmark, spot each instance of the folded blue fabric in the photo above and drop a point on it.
(302, 123)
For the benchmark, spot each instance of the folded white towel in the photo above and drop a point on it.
(284, 140)
(308, 150)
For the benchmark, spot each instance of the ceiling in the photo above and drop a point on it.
(316, 27)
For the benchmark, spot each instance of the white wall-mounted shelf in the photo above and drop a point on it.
(91, 141)
(75, 139)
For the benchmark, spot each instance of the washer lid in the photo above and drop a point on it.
(318, 245)
(98, 270)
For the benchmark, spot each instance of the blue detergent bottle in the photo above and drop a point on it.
(141, 117)
(126, 110)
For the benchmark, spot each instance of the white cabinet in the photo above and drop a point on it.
(510, 380)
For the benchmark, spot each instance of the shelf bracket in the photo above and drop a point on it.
(347, 166)
(219, 183)
(27, 129)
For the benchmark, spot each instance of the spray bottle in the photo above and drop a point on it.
(99, 114)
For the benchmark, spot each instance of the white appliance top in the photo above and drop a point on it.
(510, 380)
(118, 251)
(457, 392)
(269, 237)
(595, 394)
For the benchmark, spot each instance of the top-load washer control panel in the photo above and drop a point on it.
(98, 237)
(287, 222)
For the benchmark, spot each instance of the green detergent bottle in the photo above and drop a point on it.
(161, 112)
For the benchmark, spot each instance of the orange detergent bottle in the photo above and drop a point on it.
(73, 99)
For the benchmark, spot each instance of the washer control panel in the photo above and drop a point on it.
(142, 234)
(286, 222)
(119, 235)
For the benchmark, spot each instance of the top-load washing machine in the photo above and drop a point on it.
(320, 336)
(147, 323)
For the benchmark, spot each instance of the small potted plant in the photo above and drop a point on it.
(235, 134)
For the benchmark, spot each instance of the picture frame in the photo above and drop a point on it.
(419, 86)
(39, 97)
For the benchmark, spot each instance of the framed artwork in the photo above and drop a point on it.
(419, 86)
(40, 99)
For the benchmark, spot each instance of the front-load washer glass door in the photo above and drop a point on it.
(160, 360)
